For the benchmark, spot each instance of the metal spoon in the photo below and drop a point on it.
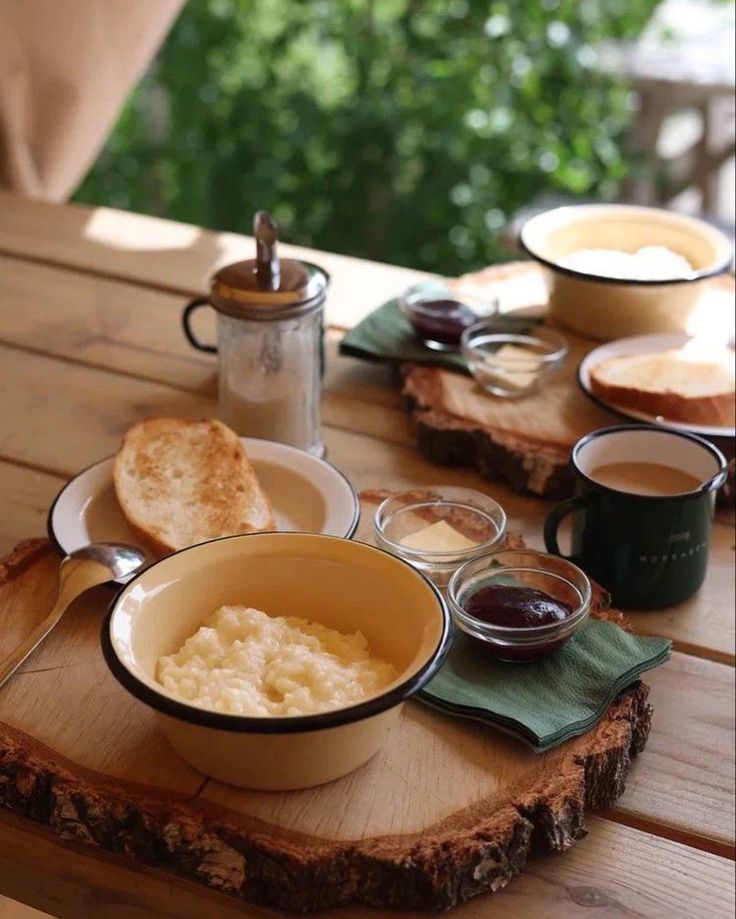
(85, 568)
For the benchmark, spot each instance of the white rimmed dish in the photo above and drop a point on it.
(308, 495)
(342, 584)
(643, 344)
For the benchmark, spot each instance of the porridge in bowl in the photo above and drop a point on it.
(244, 662)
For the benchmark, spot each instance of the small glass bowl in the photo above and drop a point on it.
(438, 316)
(472, 514)
(507, 373)
(556, 576)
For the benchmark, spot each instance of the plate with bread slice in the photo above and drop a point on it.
(676, 380)
(175, 483)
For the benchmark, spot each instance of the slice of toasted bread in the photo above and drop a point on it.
(679, 385)
(184, 482)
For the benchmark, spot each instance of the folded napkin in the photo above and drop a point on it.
(551, 700)
(387, 335)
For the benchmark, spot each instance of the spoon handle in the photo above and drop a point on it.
(268, 266)
(16, 657)
(75, 576)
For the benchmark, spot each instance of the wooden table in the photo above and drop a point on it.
(90, 342)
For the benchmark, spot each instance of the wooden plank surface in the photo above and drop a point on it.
(102, 323)
(615, 873)
(686, 774)
(110, 325)
(176, 256)
(26, 497)
(137, 332)
(11, 909)
(58, 415)
(94, 408)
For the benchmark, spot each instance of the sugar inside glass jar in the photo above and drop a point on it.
(438, 528)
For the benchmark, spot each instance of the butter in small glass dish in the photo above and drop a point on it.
(438, 528)
(519, 605)
(510, 357)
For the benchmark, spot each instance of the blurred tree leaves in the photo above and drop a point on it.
(401, 130)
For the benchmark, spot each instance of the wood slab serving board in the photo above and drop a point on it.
(447, 810)
(523, 443)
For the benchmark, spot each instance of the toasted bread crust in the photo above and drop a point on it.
(181, 482)
(712, 410)
(662, 385)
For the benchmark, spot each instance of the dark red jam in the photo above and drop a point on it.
(518, 607)
(441, 321)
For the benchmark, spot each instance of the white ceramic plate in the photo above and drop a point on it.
(643, 344)
(308, 495)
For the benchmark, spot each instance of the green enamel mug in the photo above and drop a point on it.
(649, 550)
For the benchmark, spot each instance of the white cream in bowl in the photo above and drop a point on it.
(650, 263)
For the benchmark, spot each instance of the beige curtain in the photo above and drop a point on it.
(66, 68)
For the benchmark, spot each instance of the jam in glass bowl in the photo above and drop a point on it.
(518, 604)
(439, 316)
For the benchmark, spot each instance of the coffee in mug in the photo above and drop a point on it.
(645, 478)
(643, 511)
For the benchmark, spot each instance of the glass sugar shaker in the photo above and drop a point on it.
(269, 341)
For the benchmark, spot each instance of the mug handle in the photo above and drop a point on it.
(186, 315)
(553, 521)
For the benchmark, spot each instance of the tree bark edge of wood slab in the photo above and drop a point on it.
(526, 465)
(475, 850)
(521, 463)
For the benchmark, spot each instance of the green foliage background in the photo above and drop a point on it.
(401, 130)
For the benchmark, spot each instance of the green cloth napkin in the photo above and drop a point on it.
(551, 700)
(387, 335)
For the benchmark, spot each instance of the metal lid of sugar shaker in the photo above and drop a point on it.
(267, 287)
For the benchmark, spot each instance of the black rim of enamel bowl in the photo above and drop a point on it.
(277, 725)
(717, 268)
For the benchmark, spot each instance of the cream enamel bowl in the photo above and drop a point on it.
(342, 584)
(604, 307)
